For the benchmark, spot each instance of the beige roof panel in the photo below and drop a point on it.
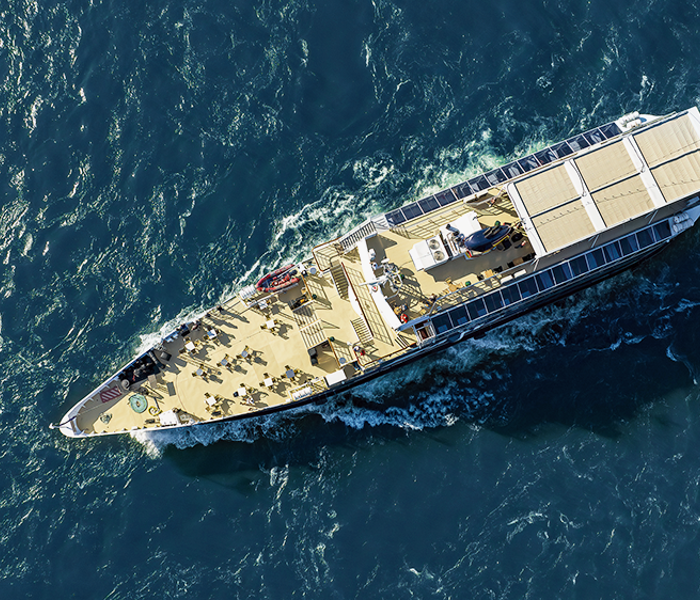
(623, 201)
(605, 166)
(557, 209)
(546, 190)
(563, 225)
(669, 140)
(679, 177)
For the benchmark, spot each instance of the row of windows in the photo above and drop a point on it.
(502, 174)
(559, 274)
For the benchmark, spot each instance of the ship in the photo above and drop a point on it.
(433, 273)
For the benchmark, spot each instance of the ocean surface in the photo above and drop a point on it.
(155, 156)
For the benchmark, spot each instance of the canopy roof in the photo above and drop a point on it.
(611, 183)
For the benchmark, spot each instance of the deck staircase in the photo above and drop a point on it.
(340, 280)
(349, 241)
(402, 342)
(362, 331)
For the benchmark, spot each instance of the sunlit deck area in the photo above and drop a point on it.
(262, 351)
(401, 280)
(244, 359)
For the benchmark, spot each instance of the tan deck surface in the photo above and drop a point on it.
(332, 320)
(334, 311)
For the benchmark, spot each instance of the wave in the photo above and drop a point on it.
(457, 385)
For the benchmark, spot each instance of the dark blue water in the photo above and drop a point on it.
(157, 155)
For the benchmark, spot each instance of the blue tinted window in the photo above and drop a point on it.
(595, 259)
(612, 251)
(479, 183)
(645, 238)
(412, 211)
(496, 176)
(493, 301)
(578, 143)
(544, 280)
(578, 265)
(610, 130)
(442, 323)
(545, 156)
(511, 294)
(428, 204)
(561, 149)
(395, 217)
(512, 169)
(662, 230)
(528, 163)
(629, 245)
(561, 273)
(459, 315)
(447, 197)
(476, 308)
(594, 136)
(527, 287)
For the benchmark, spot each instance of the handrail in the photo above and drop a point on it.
(486, 285)
(317, 385)
(386, 357)
(362, 310)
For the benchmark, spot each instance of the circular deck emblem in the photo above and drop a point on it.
(138, 403)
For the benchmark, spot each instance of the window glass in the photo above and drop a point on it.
(561, 273)
(662, 230)
(629, 245)
(493, 301)
(578, 265)
(544, 280)
(476, 308)
(595, 259)
(528, 287)
(459, 315)
(612, 251)
(645, 238)
(442, 323)
(511, 294)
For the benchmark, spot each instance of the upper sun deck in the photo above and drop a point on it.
(610, 184)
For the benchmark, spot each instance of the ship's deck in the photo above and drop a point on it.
(459, 273)
(363, 297)
(332, 314)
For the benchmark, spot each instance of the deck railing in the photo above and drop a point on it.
(313, 386)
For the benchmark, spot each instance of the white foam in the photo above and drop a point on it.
(437, 405)
(440, 404)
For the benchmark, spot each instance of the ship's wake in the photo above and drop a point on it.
(469, 383)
